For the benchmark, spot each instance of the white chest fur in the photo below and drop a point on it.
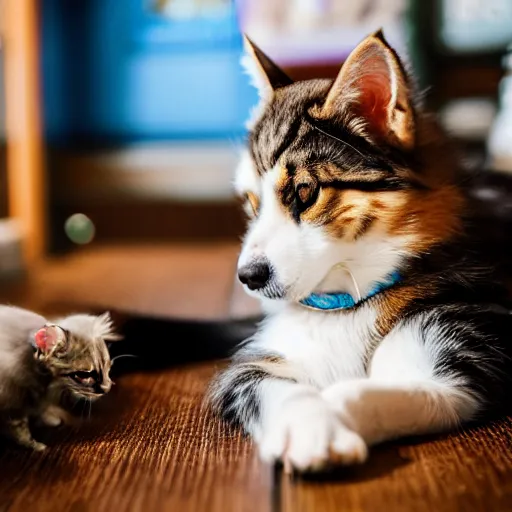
(325, 347)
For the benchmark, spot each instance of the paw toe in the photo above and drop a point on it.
(348, 448)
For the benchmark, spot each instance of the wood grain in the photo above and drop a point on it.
(149, 446)
(466, 471)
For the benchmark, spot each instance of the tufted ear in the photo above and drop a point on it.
(265, 74)
(373, 84)
(104, 328)
(48, 338)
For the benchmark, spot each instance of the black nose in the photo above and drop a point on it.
(255, 274)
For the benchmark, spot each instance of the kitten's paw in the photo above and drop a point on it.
(31, 444)
(19, 431)
(308, 436)
(37, 446)
(51, 420)
(53, 416)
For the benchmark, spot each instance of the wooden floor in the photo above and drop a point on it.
(150, 445)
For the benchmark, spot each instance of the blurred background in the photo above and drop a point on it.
(121, 122)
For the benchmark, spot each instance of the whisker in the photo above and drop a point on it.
(74, 402)
(122, 355)
(337, 138)
(82, 409)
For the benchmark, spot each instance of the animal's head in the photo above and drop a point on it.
(75, 351)
(341, 174)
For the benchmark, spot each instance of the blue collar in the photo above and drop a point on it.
(336, 301)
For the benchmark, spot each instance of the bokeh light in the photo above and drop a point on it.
(80, 229)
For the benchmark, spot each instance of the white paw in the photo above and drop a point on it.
(308, 436)
(53, 416)
(51, 420)
(38, 447)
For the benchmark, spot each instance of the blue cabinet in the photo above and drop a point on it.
(116, 70)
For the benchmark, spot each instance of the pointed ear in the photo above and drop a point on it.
(48, 338)
(372, 84)
(265, 74)
(105, 318)
(105, 328)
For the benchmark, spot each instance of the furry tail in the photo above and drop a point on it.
(162, 342)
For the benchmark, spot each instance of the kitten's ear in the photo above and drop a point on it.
(106, 328)
(373, 84)
(265, 74)
(49, 337)
(105, 318)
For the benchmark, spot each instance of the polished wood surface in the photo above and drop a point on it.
(467, 471)
(151, 445)
(148, 446)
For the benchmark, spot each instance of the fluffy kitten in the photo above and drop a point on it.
(41, 360)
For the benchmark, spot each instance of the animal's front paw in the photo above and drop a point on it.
(51, 420)
(37, 446)
(53, 416)
(308, 436)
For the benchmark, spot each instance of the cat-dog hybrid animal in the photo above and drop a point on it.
(40, 361)
(380, 321)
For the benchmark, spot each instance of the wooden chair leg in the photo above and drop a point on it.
(25, 168)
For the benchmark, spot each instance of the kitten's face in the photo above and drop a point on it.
(78, 357)
(335, 178)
